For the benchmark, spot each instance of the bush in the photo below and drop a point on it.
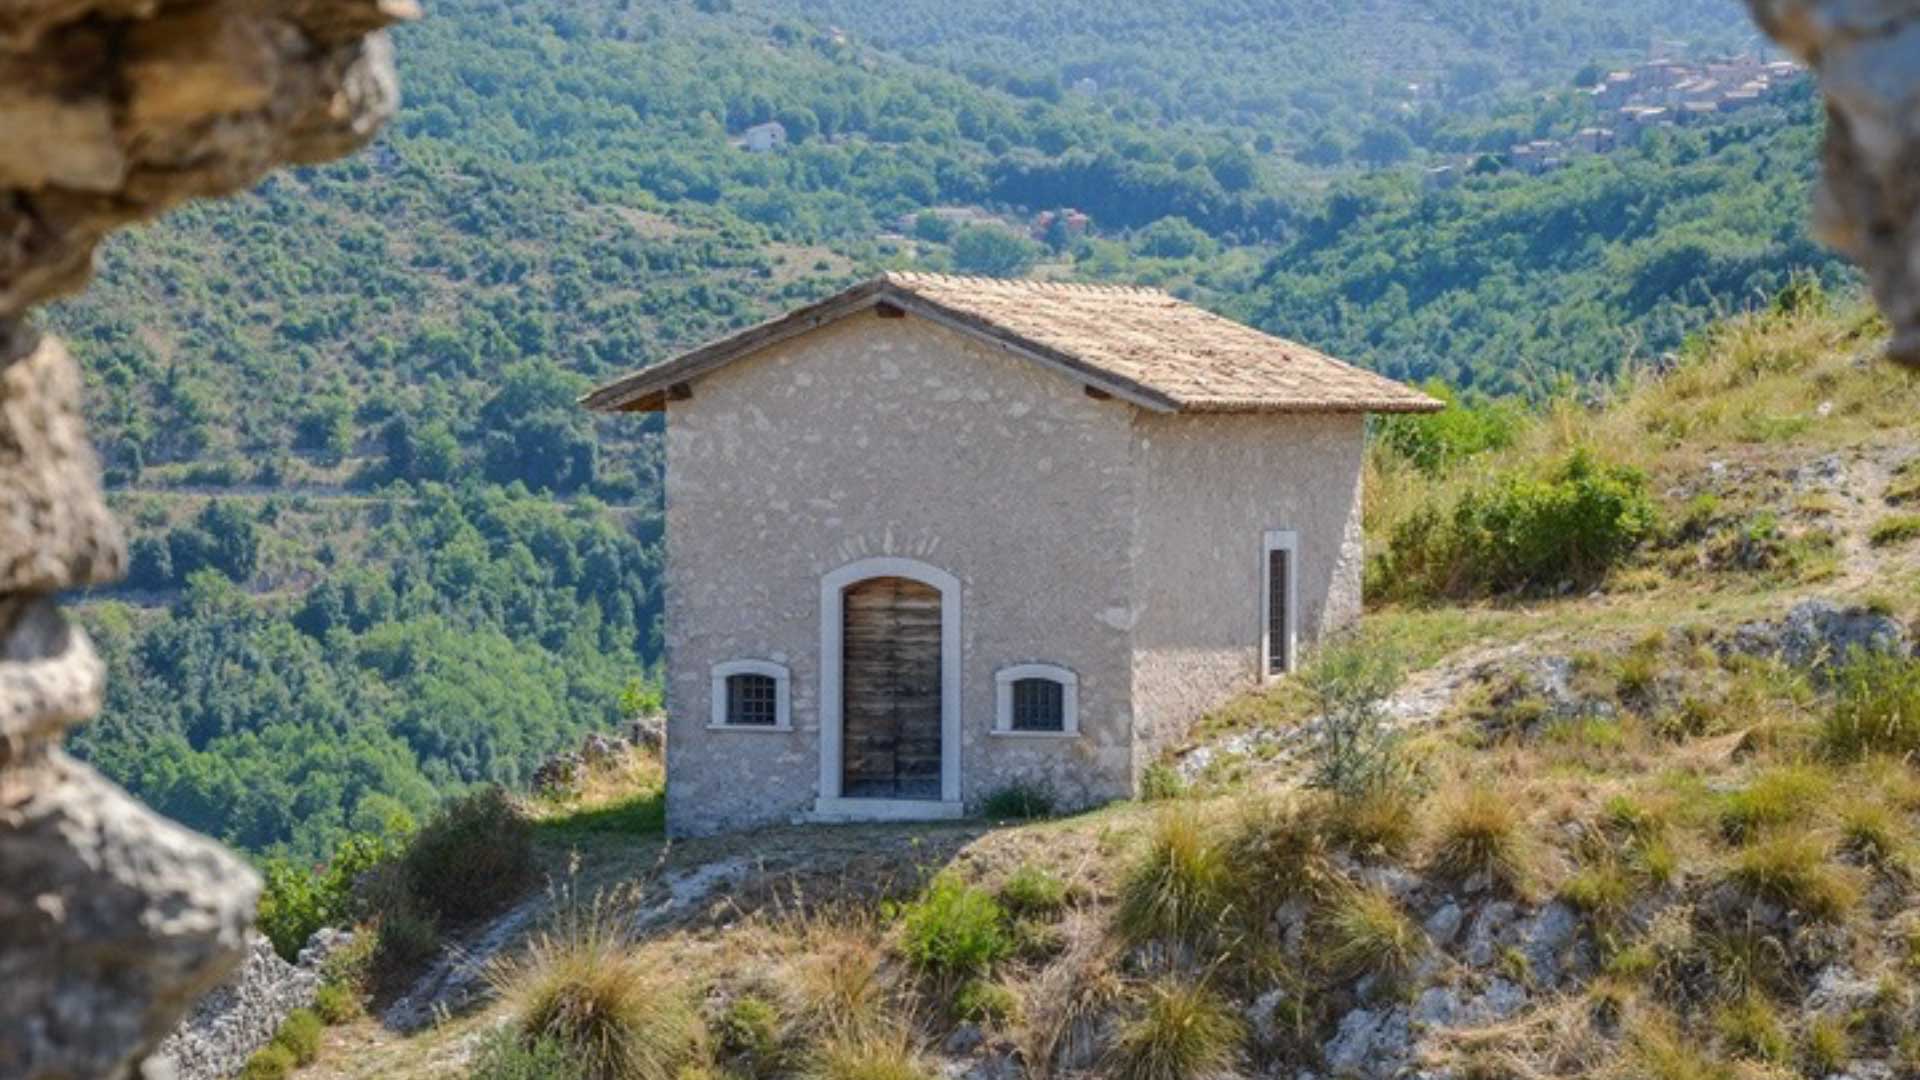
(1160, 782)
(1278, 851)
(270, 1062)
(1033, 890)
(1876, 708)
(336, 1003)
(1018, 802)
(1522, 532)
(751, 1030)
(954, 929)
(1184, 1030)
(1434, 442)
(473, 858)
(504, 1055)
(300, 1033)
(1777, 796)
(1180, 889)
(580, 985)
(1357, 751)
(985, 1002)
(298, 900)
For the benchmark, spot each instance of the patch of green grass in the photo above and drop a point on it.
(1380, 822)
(1778, 796)
(1794, 867)
(1180, 888)
(1658, 1052)
(1602, 888)
(1828, 1046)
(752, 1030)
(300, 1033)
(643, 813)
(271, 1062)
(985, 1002)
(1033, 890)
(336, 1003)
(954, 929)
(1873, 832)
(867, 1055)
(1018, 802)
(1160, 782)
(504, 1055)
(1894, 529)
(1365, 932)
(1751, 1028)
(1183, 1030)
(1876, 708)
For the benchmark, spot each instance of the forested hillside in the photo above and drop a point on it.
(1293, 70)
(380, 554)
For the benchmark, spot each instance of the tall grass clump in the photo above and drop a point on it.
(954, 929)
(1181, 887)
(1521, 531)
(473, 858)
(1183, 1030)
(1876, 708)
(1364, 932)
(866, 1055)
(1794, 867)
(581, 985)
(1482, 830)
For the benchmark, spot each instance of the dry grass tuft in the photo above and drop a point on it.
(1364, 932)
(1483, 831)
(1181, 888)
(1794, 867)
(1183, 1030)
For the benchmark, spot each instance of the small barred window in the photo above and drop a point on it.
(753, 700)
(1039, 705)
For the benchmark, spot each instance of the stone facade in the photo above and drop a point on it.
(1087, 534)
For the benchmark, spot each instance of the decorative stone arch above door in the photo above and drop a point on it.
(833, 801)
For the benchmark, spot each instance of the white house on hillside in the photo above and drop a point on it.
(935, 536)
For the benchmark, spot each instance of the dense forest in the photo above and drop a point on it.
(380, 554)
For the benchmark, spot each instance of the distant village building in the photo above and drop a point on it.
(762, 138)
(1074, 223)
(1088, 87)
(1595, 140)
(937, 536)
(1440, 178)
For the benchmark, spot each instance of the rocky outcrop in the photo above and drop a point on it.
(1818, 633)
(113, 920)
(1868, 55)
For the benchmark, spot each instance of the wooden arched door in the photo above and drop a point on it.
(891, 693)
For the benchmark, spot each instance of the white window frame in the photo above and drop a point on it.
(1287, 540)
(1003, 681)
(782, 695)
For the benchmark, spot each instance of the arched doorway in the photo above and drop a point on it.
(890, 690)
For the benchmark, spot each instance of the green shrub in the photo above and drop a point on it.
(751, 1029)
(473, 858)
(300, 1033)
(985, 1002)
(1435, 442)
(298, 900)
(336, 1003)
(270, 1062)
(1018, 802)
(1523, 532)
(1183, 1031)
(405, 938)
(1356, 750)
(1876, 708)
(1180, 888)
(1160, 782)
(954, 929)
(504, 1055)
(1278, 850)
(1033, 890)
(1777, 796)
(1752, 1029)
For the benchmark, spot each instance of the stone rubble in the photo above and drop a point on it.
(240, 1016)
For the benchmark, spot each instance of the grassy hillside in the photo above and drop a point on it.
(1604, 831)
(339, 415)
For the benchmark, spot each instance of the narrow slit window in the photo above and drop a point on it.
(753, 700)
(1276, 611)
(1039, 705)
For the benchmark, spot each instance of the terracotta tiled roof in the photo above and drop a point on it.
(1142, 345)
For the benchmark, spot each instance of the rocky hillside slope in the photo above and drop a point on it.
(1656, 820)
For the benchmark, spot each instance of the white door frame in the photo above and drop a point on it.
(833, 592)
(1287, 540)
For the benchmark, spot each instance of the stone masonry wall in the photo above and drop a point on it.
(894, 437)
(1211, 488)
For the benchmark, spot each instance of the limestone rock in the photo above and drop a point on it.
(1819, 632)
(112, 921)
(114, 111)
(55, 531)
(1868, 55)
